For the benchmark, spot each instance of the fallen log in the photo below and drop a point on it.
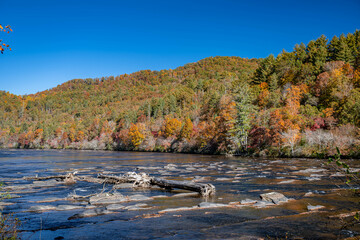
(68, 178)
(203, 189)
(116, 179)
(60, 177)
(138, 180)
(144, 180)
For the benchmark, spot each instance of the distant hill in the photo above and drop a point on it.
(273, 106)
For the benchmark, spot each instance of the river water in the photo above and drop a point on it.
(308, 182)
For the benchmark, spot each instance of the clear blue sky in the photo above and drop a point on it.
(58, 40)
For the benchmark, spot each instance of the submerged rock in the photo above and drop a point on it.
(180, 195)
(51, 199)
(178, 209)
(274, 197)
(41, 208)
(139, 206)
(108, 198)
(123, 186)
(248, 201)
(67, 207)
(312, 208)
(211, 205)
(312, 170)
(91, 213)
(287, 181)
(171, 167)
(114, 207)
(261, 204)
(139, 197)
(308, 194)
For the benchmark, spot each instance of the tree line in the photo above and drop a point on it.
(295, 104)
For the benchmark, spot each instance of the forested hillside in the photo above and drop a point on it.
(296, 104)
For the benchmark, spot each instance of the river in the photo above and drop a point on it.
(307, 182)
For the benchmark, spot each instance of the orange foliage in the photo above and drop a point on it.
(4, 46)
(328, 112)
(225, 123)
(80, 136)
(356, 78)
(38, 133)
(263, 97)
(207, 132)
(58, 132)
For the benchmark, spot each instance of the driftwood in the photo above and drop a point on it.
(138, 180)
(144, 180)
(67, 178)
(203, 189)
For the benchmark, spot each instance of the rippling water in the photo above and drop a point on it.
(307, 181)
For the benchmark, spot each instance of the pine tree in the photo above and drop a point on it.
(332, 48)
(266, 68)
(317, 53)
(245, 108)
(343, 51)
(357, 49)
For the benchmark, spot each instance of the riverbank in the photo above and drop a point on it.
(264, 153)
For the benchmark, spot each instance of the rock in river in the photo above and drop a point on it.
(248, 201)
(91, 213)
(40, 208)
(312, 208)
(108, 198)
(274, 197)
(114, 207)
(211, 205)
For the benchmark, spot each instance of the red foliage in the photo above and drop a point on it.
(318, 124)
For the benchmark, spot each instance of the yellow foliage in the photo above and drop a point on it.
(72, 134)
(187, 129)
(136, 135)
(172, 127)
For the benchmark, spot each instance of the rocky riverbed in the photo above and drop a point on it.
(255, 198)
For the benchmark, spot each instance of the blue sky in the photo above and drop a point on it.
(58, 40)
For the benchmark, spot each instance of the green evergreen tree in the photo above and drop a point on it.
(266, 68)
(343, 51)
(244, 98)
(332, 48)
(300, 54)
(357, 49)
(317, 53)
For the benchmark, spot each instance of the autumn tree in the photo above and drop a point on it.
(135, 134)
(172, 127)
(225, 126)
(4, 46)
(187, 129)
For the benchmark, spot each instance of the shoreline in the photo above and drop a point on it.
(325, 157)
